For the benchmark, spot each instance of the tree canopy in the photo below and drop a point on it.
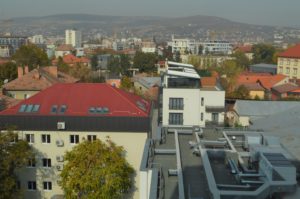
(241, 59)
(31, 55)
(119, 64)
(229, 71)
(263, 53)
(96, 169)
(145, 62)
(13, 155)
(8, 71)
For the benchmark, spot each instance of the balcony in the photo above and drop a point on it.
(214, 109)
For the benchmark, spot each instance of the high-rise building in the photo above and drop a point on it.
(74, 38)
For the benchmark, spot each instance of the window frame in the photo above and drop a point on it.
(176, 103)
(176, 118)
(46, 162)
(47, 139)
(91, 138)
(31, 185)
(47, 185)
(30, 138)
(74, 139)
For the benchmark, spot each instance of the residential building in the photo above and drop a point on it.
(6, 51)
(30, 83)
(256, 91)
(64, 115)
(185, 102)
(37, 39)
(184, 45)
(283, 91)
(14, 41)
(216, 47)
(148, 47)
(72, 60)
(73, 38)
(288, 62)
(264, 68)
(248, 112)
(64, 49)
(246, 49)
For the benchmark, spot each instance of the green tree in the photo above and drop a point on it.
(145, 62)
(62, 66)
(31, 55)
(12, 157)
(96, 170)
(119, 64)
(8, 71)
(126, 83)
(241, 93)
(81, 72)
(177, 56)
(241, 59)
(94, 62)
(263, 53)
(229, 71)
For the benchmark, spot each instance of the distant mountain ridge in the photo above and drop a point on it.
(138, 25)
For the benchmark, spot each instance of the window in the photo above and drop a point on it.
(296, 62)
(22, 108)
(91, 138)
(176, 118)
(31, 185)
(29, 108)
(215, 117)
(288, 62)
(176, 103)
(280, 70)
(47, 185)
(74, 139)
(202, 101)
(54, 109)
(46, 138)
(295, 70)
(287, 70)
(30, 138)
(46, 162)
(31, 162)
(14, 139)
(62, 109)
(36, 108)
(202, 116)
(18, 185)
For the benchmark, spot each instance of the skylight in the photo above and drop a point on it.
(29, 108)
(54, 109)
(22, 108)
(62, 109)
(98, 110)
(36, 108)
(141, 105)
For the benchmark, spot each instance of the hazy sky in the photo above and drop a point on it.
(267, 12)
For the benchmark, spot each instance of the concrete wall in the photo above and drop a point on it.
(133, 143)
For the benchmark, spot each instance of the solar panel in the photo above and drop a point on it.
(99, 110)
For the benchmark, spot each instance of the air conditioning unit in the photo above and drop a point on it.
(59, 143)
(60, 158)
(61, 125)
(59, 167)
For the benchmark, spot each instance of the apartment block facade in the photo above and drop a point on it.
(64, 115)
(74, 38)
(288, 62)
(185, 102)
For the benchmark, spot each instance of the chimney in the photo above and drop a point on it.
(20, 71)
(52, 70)
(26, 70)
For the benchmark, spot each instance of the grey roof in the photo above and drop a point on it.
(148, 82)
(284, 125)
(258, 109)
(262, 65)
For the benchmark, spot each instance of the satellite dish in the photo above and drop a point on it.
(5, 81)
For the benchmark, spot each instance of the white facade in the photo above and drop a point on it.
(185, 103)
(37, 39)
(57, 144)
(216, 47)
(184, 46)
(74, 38)
(5, 51)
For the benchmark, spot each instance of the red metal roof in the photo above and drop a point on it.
(80, 97)
(293, 52)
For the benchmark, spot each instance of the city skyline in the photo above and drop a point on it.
(264, 12)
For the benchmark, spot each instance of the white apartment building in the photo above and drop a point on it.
(37, 39)
(74, 38)
(185, 102)
(216, 47)
(184, 45)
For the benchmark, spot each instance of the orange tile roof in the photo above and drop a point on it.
(71, 59)
(65, 47)
(266, 81)
(39, 79)
(208, 81)
(244, 49)
(293, 52)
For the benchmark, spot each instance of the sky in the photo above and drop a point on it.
(263, 12)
